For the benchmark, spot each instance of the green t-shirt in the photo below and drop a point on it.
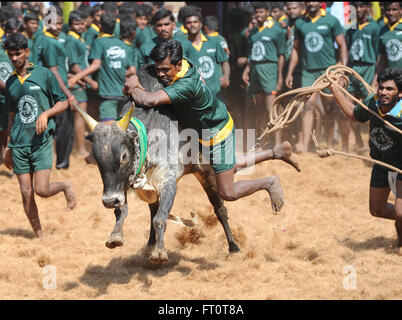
(145, 50)
(51, 52)
(317, 38)
(133, 53)
(92, 33)
(363, 43)
(28, 99)
(115, 61)
(220, 39)
(194, 104)
(267, 43)
(6, 69)
(391, 44)
(180, 31)
(385, 143)
(143, 36)
(77, 51)
(210, 57)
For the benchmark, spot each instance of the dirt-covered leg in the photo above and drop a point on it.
(116, 237)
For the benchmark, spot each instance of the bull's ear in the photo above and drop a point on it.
(90, 137)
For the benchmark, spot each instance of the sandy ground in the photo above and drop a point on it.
(322, 238)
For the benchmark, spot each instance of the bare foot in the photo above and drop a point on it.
(90, 159)
(284, 153)
(70, 197)
(82, 154)
(276, 193)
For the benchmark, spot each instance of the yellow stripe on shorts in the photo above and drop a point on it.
(221, 135)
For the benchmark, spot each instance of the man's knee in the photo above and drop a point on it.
(227, 195)
(41, 191)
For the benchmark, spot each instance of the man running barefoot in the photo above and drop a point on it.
(197, 108)
(34, 98)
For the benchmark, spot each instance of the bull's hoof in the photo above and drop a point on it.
(233, 248)
(114, 241)
(158, 256)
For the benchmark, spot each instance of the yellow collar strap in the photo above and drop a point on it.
(105, 35)
(74, 35)
(95, 27)
(22, 79)
(184, 30)
(221, 135)
(322, 14)
(282, 18)
(128, 43)
(203, 39)
(214, 34)
(361, 26)
(267, 24)
(48, 34)
(184, 69)
(395, 24)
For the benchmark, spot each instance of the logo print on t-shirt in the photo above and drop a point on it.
(357, 49)
(5, 70)
(313, 41)
(207, 67)
(380, 139)
(28, 109)
(258, 51)
(394, 49)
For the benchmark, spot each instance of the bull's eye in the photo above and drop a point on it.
(123, 158)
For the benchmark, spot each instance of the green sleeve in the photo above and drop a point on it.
(337, 28)
(49, 55)
(72, 51)
(361, 114)
(54, 90)
(180, 92)
(281, 44)
(96, 50)
(221, 55)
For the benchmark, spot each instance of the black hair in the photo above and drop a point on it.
(388, 3)
(108, 22)
(147, 9)
(361, 3)
(170, 48)
(262, 5)
(190, 12)
(126, 8)
(12, 24)
(95, 9)
(162, 13)
(31, 16)
(391, 73)
(127, 26)
(183, 12)
(15, 41)
(140, 12)
(74, 15)
(211, 22)
(110, 7)
(85, 10)
(279, 5)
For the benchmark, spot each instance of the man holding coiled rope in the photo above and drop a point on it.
(385, 143)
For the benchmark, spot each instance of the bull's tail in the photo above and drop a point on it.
(184, 222)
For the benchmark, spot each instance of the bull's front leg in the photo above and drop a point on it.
(116, 237)
(167, 195)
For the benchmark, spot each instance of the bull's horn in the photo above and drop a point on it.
(91, 122)
(123, 122)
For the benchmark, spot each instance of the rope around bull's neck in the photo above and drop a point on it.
(296, 104)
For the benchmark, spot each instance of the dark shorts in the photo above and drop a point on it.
(308, 77)
(110, 109)
(80, 94)
(356, 88)
(263, 78)
(33, 158)
(3, 117)
(221, 156)
(379, 177)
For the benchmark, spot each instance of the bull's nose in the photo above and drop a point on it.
(114, 201)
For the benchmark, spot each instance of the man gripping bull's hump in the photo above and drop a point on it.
(196, 108)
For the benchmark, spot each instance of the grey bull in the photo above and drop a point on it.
(116, 149)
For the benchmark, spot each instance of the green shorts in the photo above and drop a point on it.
(221, 156)
(33, 158)
(263, 77)
(309, 76)
(3, 117)
(80, 94)
(356, 88)
(110, 109)
(379, 176)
